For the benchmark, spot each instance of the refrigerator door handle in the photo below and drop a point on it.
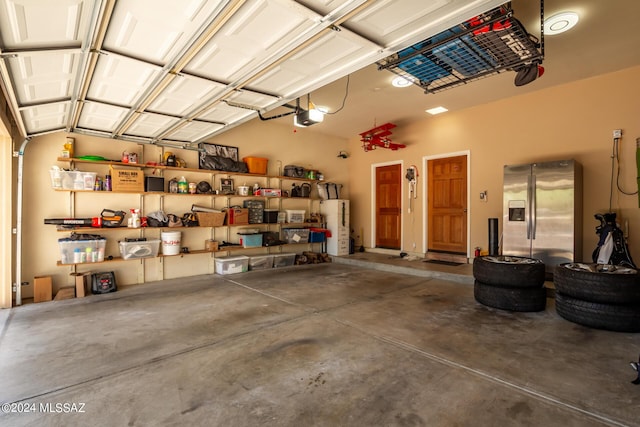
(528, 207)
(534, 206)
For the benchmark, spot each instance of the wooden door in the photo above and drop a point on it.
(447, 206)
(388, 206)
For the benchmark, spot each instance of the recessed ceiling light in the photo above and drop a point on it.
(560, 22)
(401, 82)
(436, 110)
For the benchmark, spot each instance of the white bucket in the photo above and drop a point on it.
(171, 242)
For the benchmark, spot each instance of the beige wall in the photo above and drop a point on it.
(569, 121)
(274, 141)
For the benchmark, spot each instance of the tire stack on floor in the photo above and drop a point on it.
(598, 296)
(510, 283)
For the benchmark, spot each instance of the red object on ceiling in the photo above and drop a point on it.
(379, 137)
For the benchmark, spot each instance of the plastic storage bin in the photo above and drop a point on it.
(72, 180)
(253, 240)
(232, 264)
(256, 165)
(137, 250)
(81, 251)
(317, 236)
(283, 260)
(295, 216)
(261, 262)
(296, 235)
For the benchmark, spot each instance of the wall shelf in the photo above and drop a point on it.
(162, 199)
(72, 160)
(122, 228)
(191, 252)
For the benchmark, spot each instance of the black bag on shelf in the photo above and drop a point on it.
(157, 219)
(294, 171)
(223, 164)
(174, 220)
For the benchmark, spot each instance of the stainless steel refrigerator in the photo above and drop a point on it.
(542, 215)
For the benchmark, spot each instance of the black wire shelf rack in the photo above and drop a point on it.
(485, 45)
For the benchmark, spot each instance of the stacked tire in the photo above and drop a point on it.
(599, 296)
(510, 283)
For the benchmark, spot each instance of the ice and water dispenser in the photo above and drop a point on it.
(516, 210)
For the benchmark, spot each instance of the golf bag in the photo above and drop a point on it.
(612, 247)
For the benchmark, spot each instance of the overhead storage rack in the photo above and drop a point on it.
(485, 45)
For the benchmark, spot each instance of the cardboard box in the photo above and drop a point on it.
(210, 245)
(127, 179)
(82, 284)
(65, 293)
(237, 216)
(42, 286)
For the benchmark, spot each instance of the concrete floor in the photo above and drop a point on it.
(337, 344)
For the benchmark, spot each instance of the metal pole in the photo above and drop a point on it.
(19, 223)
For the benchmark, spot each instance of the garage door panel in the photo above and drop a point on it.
(383, 20)
(185, 93)
(43, 118)
(225, 113)
(43, 77)
(101, 117)
(319, 62)
(157, 36)
(151, 125)
(31, 24)
(254, 34)
(253, 99)
(404, 22)
(121, 80)
(193, 131)
(326, 7)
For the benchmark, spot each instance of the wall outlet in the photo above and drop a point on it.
(617, 133)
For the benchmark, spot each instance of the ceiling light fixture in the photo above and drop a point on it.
(560, 22)
(304, 118)
(401, 81)
(436, 110)
(308, 117)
